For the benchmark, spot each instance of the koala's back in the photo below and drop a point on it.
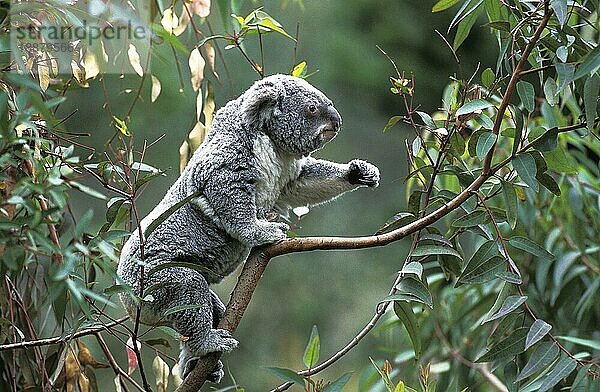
(191, 234)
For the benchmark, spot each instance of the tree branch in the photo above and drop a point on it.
(62, 339)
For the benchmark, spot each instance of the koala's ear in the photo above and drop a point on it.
(262, 103)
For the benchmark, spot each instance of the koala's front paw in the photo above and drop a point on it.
(363, 173)
(268, 232)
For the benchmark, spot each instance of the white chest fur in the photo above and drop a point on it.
(275, 170)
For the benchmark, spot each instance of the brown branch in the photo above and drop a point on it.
(61, 339)
(512, 84)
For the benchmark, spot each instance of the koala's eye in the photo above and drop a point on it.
(312, 109)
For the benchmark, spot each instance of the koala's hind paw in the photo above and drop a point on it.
(363, 173)
(268, 232)
(215, 376)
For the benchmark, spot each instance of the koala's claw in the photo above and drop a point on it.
(363, 173)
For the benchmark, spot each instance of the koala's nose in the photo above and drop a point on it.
(336, 119)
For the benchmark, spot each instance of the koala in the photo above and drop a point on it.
(255, 159)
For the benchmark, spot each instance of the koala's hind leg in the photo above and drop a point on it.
(196, 324)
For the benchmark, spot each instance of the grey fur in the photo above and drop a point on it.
(255, 159)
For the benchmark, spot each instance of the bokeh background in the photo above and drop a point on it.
(335, 290)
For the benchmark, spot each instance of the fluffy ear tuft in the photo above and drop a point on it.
(262, 103)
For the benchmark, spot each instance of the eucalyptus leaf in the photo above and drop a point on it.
(338, 385)
(537, 331)
(429, 250)
(286, 375)
(531, 247)
(414, 287)
(510, 304)
(526, 95)
(510, 202)
(313, 347)
(471, 219)
(562, 369)
(406, 315)
(543, 355)
(485, 143)
(506, 348)
(473, 106)
(591, 90)
(525, 166)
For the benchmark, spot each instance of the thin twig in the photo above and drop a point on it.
(62, 339)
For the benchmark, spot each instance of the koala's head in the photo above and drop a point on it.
(296, 116)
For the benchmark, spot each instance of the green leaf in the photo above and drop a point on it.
(87, 190)
(518, 117)
(590, 65)
(427, 120)
(543, 355)
(405, 314)
(338, 384)
(272, 24)
(482, 271)
(113, 206)
(562, 369)
(593, 344)
(443, 5)
(180, 308)
(531, 247)
(510, 304)
(551, 91)
(471, 219)
(414, 267)
(473, 106)
(487, 77)
(428, 250)
(392, 121)
(483, 266)
(560, 161)
(510, 202)
(286, 375)
(560, 9)
(465, 26)
(121, 126)
(485, 143)
(525, 166)
(538, 330)
(507, 347)
(548, 182)
(396, 220)
(313, 348)
(415, 288)
(299, 70)
(591, 90)
(526, 95)
(548, 141)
